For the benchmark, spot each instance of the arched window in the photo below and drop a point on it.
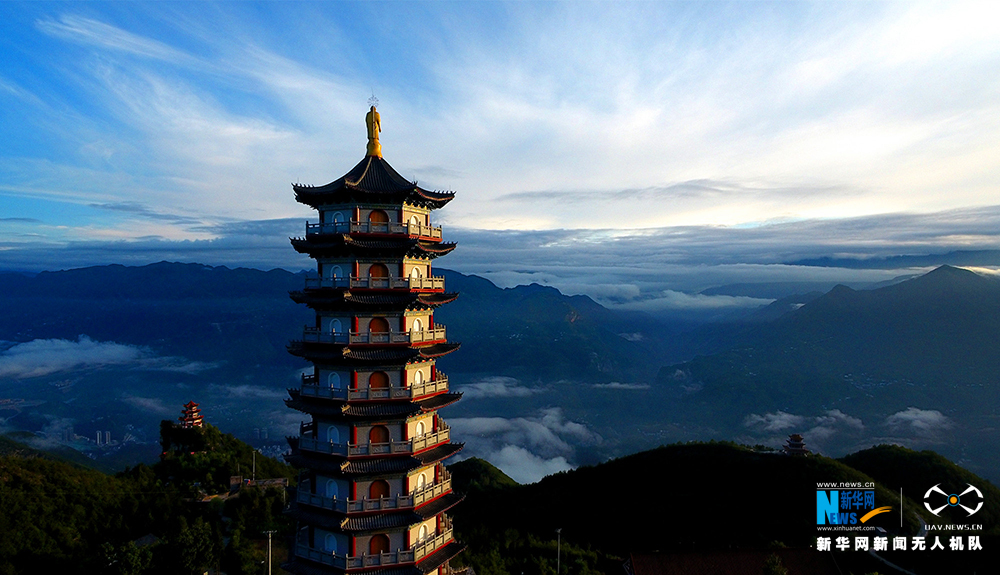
(421, 481)
(330, 543)
(422, 533)
(338, 217)
(379, 434)
(378, 271)
(332, 434)
(333, 380)
(415, 273)
(379, 544)
(336, 326)
(378, 489)
(334, 272)
(332, 491)
(418, 377)
(378, 217)
(418, 429)
(415, 222)
(378, 380)
(417, 325)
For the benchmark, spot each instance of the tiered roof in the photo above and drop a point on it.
(372, 180)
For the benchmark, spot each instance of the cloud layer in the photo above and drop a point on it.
(525, 448)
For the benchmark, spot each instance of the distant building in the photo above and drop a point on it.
(374, 492)
(191, 416)
(794, 445)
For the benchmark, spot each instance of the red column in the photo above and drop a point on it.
(357, 269)
(434, 372)
(354, 380)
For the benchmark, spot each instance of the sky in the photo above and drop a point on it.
(639, 152)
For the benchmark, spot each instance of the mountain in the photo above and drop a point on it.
(698, 498)
(911, 362)
(114, 349)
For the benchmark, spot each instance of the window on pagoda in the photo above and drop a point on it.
(334, 380)
(378, 271)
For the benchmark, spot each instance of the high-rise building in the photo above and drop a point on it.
(374, 492)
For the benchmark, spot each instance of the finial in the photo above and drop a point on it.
(374, 123)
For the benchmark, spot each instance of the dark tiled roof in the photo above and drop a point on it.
(439, 453)
(439, 505)
(440, 557)
(439, 401)
(372, 179)
(338, 299)
(344, 244)
(391, 521)
(342, 355)
(369, 410)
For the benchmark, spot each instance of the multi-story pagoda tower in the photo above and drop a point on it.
(374, 491)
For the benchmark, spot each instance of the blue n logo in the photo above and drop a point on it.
(827, 506)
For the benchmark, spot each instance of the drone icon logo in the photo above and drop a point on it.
(951, 500)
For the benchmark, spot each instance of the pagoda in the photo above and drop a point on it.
(191, 416)
(374, 492)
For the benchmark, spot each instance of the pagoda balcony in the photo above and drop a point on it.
(409, 229)
(407, 501)
(410, 446)
(399, 557)
(312, 389)
(410, 283)
(315, 335)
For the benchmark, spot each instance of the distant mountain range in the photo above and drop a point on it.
(914, 362)
(245, 317)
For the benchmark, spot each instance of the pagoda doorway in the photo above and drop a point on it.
(378, 380)
(378, 489)
(378, 325)
(379, 434)
(379, 544)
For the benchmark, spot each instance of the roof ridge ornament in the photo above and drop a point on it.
(374, 123)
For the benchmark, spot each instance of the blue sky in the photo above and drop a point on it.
(629, 150)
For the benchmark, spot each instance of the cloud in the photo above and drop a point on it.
(619, 385)
(524, 447)
(497, 386)
(153, 405)
(96, 33)
(817, 430)
(920, 422)
(247, 391)
(525, 467)
(774, 421)
(45, 356)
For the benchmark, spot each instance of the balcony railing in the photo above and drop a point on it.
(414, 230)
(315, 335)
(408, 501)
(416, 444)
(312, 389)
(416, 553)
(412, 283)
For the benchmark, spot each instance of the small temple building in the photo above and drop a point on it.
(795, 445)
(374, 493)
(191, 416)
